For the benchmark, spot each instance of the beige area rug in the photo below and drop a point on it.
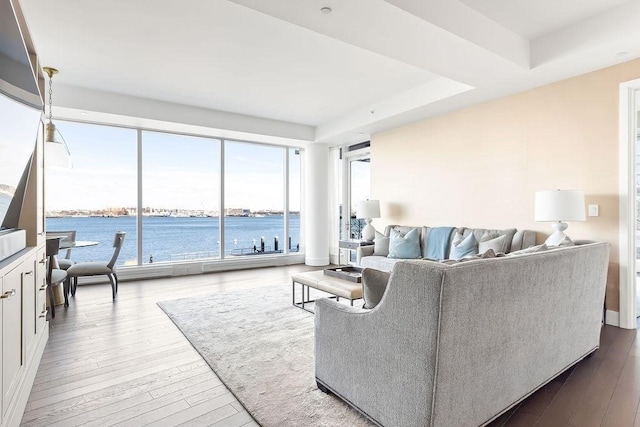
(262, 348)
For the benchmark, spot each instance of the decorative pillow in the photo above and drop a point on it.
(381, 244)
(374, 284)
(530, 250)
(566, 242)
(489, 253)
(463, 247)
(487, 241)
(405, 246)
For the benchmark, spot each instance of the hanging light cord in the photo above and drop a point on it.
(50, 98)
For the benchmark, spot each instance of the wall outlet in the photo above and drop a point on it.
(594, 210)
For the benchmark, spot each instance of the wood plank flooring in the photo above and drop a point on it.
(124, 363)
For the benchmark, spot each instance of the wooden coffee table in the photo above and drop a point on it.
(335, 286)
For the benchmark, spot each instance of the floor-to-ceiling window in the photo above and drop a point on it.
(167, 190)
(98, 196)
(180, 197)
(254, 199)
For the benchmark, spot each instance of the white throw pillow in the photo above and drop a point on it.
(487, 241)
(381, 244)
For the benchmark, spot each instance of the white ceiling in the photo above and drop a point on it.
(368, 66)
(532, 19)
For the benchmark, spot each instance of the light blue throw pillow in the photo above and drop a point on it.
(405, 246)
(463, 247)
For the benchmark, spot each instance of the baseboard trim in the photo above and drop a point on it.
(187, 268)
(317, 262)
(612, 318)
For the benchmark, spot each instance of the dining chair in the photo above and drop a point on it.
(68, 238)
(99, 268)
(55, 276)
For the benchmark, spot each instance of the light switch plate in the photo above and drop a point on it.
(594, 210)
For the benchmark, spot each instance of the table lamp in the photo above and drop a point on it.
(368, 209)
(558, 206)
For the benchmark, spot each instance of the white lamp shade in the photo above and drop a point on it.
(560, 205)
(368, 209)
(56, 153)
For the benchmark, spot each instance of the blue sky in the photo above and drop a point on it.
(178, 172)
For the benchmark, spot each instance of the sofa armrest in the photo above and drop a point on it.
(371, 357)
(363, 251)
(374, 284)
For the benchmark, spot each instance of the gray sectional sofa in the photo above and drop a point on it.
(377, 256)
(454, 345)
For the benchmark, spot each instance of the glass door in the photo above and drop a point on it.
(356, 185)
(360, 189)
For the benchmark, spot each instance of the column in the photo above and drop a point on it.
(316, 204)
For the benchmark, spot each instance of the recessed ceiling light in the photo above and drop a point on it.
(84, 113)
(360, 133)
(325, 10)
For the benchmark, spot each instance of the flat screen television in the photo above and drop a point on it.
(18, 133)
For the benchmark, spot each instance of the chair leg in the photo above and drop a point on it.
(65, 290)
(113, 285)
(73, 285)
(115, 277)
(52, 305)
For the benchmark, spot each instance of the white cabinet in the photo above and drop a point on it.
(24, 332)
(12, 360)
(29, 292)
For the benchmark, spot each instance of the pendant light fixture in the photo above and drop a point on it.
(57, 154)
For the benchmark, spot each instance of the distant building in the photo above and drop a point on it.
(237, 212)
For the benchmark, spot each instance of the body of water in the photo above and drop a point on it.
(175, 238)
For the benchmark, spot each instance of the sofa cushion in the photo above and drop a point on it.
(529, 250)
(489, 253)
(490, 241)
(379, 262)
(462, 247)
(507, 232)
(381, 244)
(404, 246)
(564, 242)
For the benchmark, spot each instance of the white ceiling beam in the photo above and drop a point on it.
(381, 27)
(76, 103)
(614, 31)
(469, 24)
(366, 116)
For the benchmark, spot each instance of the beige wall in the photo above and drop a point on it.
(480, 167)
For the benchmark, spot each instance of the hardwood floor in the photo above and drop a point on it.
(124, 363)
(603, 390)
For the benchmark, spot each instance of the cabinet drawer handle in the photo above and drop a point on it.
(43, 261)
(28, 273)
(8, 294)
(43, 314)
(43, 288)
